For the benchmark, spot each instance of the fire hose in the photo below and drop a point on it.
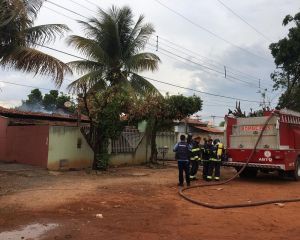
(239, 205)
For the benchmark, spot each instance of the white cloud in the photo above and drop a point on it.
(266, 15)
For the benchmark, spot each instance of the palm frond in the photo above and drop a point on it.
(88, 80)
(44, 34)
(32, 60)
(143, 61)
(141, 85)
(83, 66)
(143, 36)
(88, 47)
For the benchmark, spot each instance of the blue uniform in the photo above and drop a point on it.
(181, 150)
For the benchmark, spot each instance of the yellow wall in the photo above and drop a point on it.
(141, 155)
(63, 152)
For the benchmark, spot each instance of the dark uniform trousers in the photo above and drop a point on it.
(194, 168)
(205, 168)
(184, 165)
(214, 169)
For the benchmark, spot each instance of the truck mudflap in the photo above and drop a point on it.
(255, 165)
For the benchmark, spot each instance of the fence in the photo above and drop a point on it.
(128, 141)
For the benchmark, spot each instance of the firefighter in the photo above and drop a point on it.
(215, 159)
(181, 150)
(194, 156)
(205, 157)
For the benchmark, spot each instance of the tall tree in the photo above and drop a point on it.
(286, 53)
(160, 113)
(19, 38)
(113, 46)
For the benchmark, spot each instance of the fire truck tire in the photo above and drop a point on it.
(296, 174)
(248, 173)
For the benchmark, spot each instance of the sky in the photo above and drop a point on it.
(197, 42)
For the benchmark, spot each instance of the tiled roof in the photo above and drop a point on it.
(193, 121)
(39, 115)
(209, 129)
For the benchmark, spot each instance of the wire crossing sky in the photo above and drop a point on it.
(192, 57)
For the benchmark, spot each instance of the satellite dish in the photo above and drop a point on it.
(67, 104)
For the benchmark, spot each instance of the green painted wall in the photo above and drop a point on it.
(68, 149)
(166, 139)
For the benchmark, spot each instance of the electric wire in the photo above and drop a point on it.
(59, 13)
(203, 92)
(210, 32)
(206, 67)
(192, 64)
(242, 19)
(66, 9)
(212, 94)
(160, 37)
(220, 65)
(82, 6)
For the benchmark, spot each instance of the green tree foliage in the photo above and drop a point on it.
(222, 124)
(113, 46)
(19, 38)
(50, 102)
(160, 112)
(286, 53)
(35, 97)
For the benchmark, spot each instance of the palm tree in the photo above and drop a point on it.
(113, 46)
(19, 39)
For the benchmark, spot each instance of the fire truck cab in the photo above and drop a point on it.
(277, 150)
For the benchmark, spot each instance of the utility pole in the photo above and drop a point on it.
(213, 119)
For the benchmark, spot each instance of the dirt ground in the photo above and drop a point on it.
(141, 203)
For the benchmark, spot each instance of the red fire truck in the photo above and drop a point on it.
(277, 150)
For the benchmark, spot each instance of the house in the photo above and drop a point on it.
(197, 127)
(52, 141)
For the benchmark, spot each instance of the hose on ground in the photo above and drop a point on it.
(224, 206)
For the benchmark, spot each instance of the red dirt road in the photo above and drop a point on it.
(142, 203)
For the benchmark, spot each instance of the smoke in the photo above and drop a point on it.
(39, 108)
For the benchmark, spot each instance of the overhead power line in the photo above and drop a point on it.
(203, 92)
(82, 6)
(209, 68)
(59, 13)
(212, 94)
(229, 71)
(24, 85)
(241, 18)
(210, 32)
(193, 64)
(90, 2)
(211, 62)
(60, 6)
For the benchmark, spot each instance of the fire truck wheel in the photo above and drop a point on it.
(248, 173)
(297, 170)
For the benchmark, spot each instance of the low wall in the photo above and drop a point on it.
(68, 149)
(140, 156)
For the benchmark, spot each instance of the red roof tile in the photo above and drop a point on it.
(39, 115)
(209, 129)
(193, 121)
